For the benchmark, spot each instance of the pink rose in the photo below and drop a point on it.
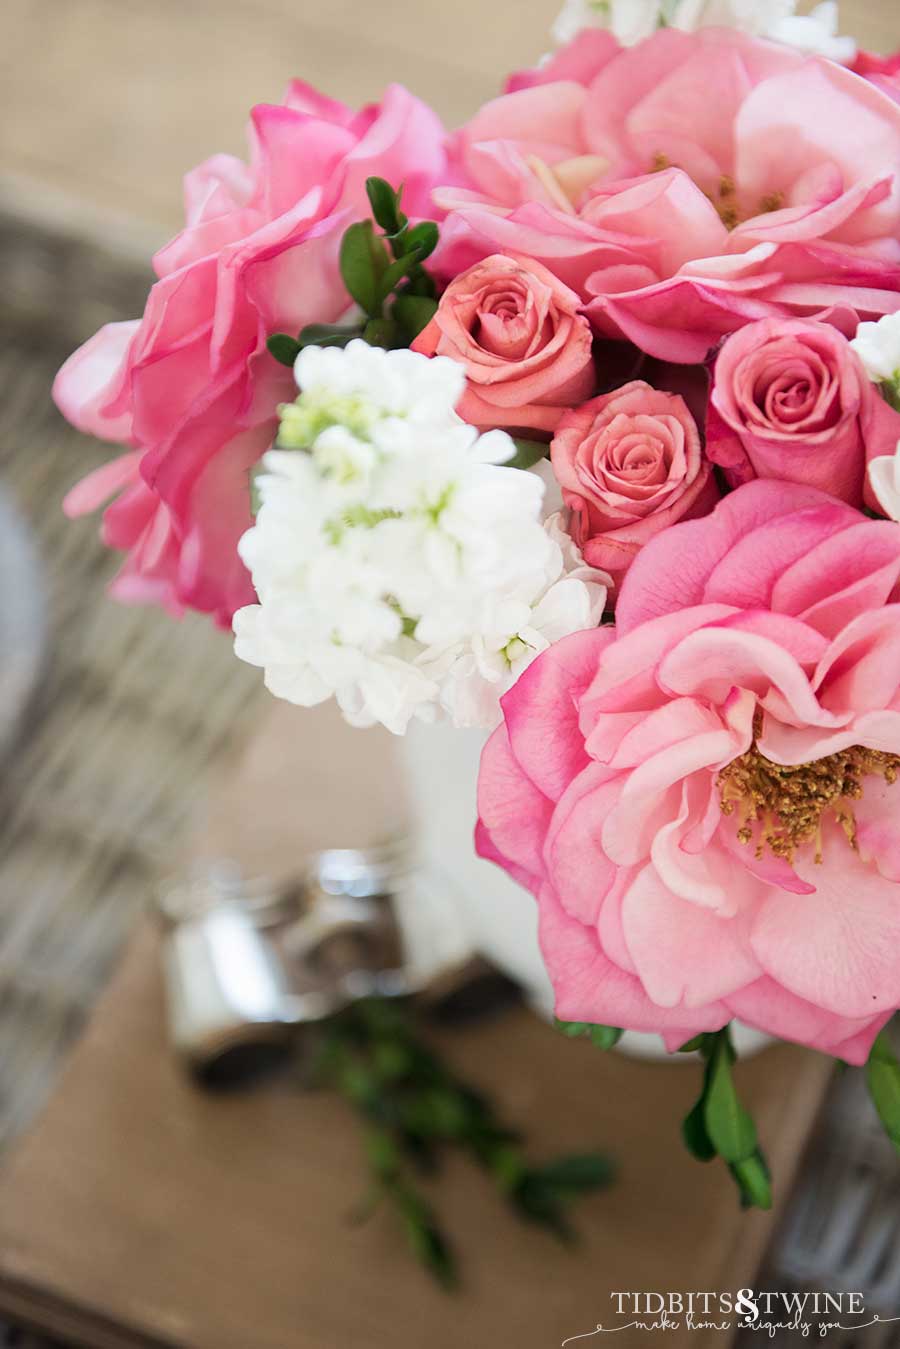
(190, 386)
(629, 464)
(882, 71)
(703, 800)
(676, 226)
(791, 400)
(525, 347)
(580, 60)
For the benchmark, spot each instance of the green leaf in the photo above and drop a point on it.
(413, 313)
(754, 1181)
(381, 333)
(601, 1037)
(395, 272)
(883, 1076)
(433, 1249)
(693, 1131)
(540, 1202)
(571, 1029)
(891, 391)
(730, 1128)
(697, 1045)
(578, 1174)
(283, 347)
(363, 262)
(528, 453)
(383, 1156)
(385, 203)
(327, 335)
(605, 1037)
(422, 238)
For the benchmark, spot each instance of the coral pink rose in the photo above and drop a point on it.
(525, 347)
(675, 224)
(791, 400)
(190, 386)
(703, 800)
(629, 464)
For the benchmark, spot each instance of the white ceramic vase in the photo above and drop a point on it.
(491, 913)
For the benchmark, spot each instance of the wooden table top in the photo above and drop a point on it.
(142, 1212)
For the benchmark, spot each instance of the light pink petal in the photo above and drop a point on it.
(860, 672)
(686, 955)
(672, 572)
(818, 114)
(575, 862)
(92, 377)
(295, 152)
(581, 60)
(626, 676)
(590, 987)
(877, 818)
(97, 488)
(541, 710)
(838, 947)
(841, 577)
(513, 815)
(750, 571)
(771, 1008)
(675, 721)
(771, 870)
(713, 661)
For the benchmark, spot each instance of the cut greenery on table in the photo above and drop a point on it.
(414, 1110)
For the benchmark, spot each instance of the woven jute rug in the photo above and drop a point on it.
(132, 707)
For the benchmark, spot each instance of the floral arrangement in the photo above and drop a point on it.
(581, 423)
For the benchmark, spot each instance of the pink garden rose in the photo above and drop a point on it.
(791, 400)
(883, 71)
(525, 347)
(190, 387)
(629, 464)
(699, 181)
(704, 799)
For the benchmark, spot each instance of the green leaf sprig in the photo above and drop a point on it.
(883, 1078)
(414, 1108)
(383, 273)
(718, 1125)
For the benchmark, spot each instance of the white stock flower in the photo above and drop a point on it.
(884, 478)
(878, 347)
(632, 21)
(816, 33)
(399, 567)
(629, 20)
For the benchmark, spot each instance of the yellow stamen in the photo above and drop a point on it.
(788, 801)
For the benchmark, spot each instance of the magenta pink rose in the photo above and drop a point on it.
(791, 400)
(630, 464)
(190, 387)
(639, 781)
(676, 226)
(525, 347)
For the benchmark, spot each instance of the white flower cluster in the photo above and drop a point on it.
(884, 476)
(878, 347)
(634, 20)
(399, 566)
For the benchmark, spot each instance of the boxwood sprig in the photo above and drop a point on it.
(383, 274)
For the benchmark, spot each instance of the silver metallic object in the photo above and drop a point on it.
(245, 964)
(23, 624)
(350, 935)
